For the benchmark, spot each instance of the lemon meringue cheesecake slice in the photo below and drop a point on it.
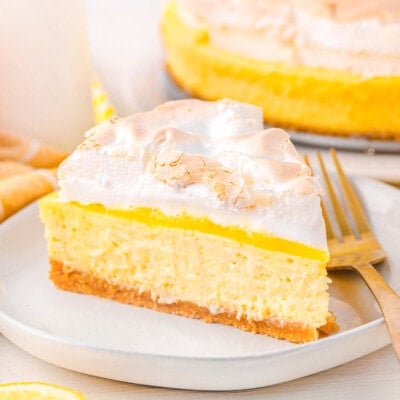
(194, 209)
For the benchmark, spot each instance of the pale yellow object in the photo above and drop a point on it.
(29, 151)
(11, 168)
(18, 191)
(317, 100)
(37, 391)
(227, 269)
(102, 108)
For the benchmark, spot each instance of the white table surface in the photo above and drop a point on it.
(375, 376)
(371, 377)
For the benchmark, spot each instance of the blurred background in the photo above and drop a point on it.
(119, 45)
(126, 52)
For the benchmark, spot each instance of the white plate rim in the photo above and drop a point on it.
(326, 340)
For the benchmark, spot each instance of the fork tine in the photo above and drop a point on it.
(340, 215)
(353, 203)
(328, 225)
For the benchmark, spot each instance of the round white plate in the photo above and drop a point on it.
(104, 338)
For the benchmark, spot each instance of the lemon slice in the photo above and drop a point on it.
(36, 391)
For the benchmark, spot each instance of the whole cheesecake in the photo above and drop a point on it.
(194, 209)
(328, 67)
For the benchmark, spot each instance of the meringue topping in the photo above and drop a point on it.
(209, 159)
(361, 37)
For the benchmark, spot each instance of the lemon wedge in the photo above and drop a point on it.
(36, 391)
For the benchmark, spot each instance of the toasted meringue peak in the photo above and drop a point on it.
(207, 158)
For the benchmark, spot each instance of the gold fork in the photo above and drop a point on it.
(358, 251)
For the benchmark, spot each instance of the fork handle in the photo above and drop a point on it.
(387, 299)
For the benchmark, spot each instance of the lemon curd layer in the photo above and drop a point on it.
(324, 100)
(155, 217)
(224, 269)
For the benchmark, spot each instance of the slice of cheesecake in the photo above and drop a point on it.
(195, 210)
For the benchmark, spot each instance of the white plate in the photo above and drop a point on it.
(112, 340)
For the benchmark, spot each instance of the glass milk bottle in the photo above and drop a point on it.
(44, 71)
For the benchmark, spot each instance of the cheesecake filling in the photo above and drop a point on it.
(360, 37)
(219, 273)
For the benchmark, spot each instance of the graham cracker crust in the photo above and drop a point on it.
(80, 282)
